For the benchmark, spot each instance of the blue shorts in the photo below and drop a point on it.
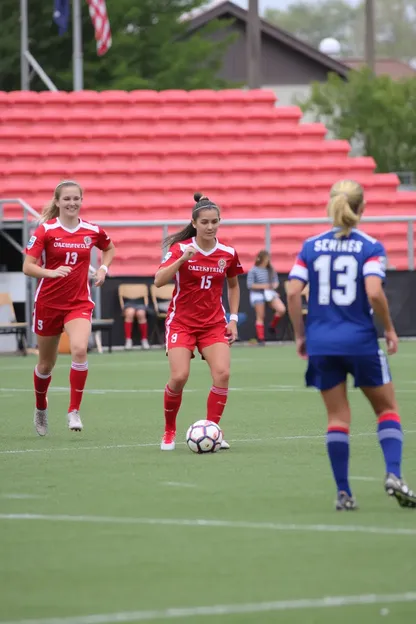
(327, 371)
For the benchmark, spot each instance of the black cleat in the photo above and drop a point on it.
(345, 502)
(400, 490)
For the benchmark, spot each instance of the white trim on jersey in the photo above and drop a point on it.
(373, 267)
(205, 253)
(385, 373)
(229, 250)
(89, 226)
(364, 235)
(172, 314)
(299, 272)
(53, 226)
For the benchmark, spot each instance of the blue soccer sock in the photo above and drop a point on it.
(390, 436)
(338, 447)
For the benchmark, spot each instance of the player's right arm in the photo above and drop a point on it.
(374, 271)
(34, 249)
(171, 263)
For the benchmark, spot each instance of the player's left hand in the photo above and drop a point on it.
(99, 277)
(301, 348)
(232, 332)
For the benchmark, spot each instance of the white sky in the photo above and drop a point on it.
(281, 4)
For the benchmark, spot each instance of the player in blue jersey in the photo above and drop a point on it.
(345, 269)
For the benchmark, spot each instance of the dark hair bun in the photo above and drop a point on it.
(199, 196)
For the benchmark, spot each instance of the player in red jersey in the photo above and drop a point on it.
(63, 301)
(196, 317)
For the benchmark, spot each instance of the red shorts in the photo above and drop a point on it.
(179, 336)
(50, 321)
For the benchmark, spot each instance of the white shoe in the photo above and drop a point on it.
(168, 441)
(40, 420)
(224, 446)
(74, 421)
(145, 344)
(128, 344)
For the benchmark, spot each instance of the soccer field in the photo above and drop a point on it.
(104, 523)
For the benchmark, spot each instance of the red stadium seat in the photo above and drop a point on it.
(141, 156)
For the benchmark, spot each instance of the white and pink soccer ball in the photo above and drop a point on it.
(204, 436)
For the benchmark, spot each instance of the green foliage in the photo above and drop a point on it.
(151, 48)
(395, 25)
(376, 112)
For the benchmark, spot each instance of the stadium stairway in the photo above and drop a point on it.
(141, 156)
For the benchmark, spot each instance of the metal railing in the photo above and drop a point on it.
(268, 223)
(27, 225)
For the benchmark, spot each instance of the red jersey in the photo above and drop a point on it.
(58, 246)
(197, 298)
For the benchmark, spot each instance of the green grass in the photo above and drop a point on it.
(68, 568)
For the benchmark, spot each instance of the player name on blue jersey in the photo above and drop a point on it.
(340, 319)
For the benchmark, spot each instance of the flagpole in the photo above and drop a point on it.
(24, 41)
(77, 57)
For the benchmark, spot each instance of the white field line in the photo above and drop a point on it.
(116, 391)
(231, 609)
(205, 523)
(29, 365)
(178, 484)
(20, 496)
(106, 447)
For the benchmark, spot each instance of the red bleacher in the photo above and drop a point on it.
(141, 155)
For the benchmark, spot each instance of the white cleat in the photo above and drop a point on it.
(168, 441)
(224, 446)
(40, 420)
(74, 421)
(145, 344)
(128, 344)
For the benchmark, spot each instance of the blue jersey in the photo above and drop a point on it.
(340, 318)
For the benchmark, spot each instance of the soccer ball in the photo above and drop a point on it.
(204, 436)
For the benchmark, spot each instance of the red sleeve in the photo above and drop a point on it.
(36, 243)
(235, 267)
(103, 240)
(173, 254)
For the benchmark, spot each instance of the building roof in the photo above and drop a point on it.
(227, 9)
(392, 67)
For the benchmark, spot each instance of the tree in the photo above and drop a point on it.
(395, 25)
(374, 111)
(151, 48)
(314, 22)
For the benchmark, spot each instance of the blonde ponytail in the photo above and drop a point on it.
(51, 210)
(344, 206)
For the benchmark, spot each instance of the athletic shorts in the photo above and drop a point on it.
(262, 296)
(179, 336)
(50, 321)
(327, 371)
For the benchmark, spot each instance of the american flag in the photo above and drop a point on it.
(101, 23)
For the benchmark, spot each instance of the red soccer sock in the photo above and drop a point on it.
(77, 378)
(216, 402)
(172, 403)
(260, 331)
(128, 329)
(143, 330)
(275, 321)
(41, 383)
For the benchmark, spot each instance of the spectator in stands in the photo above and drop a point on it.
(135, 309)
(262, 281)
